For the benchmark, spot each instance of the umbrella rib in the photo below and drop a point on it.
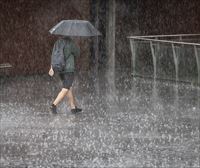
(54, 28)
(70, 28)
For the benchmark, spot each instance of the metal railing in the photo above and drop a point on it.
(172, 57)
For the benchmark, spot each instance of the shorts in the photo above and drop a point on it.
(67, 79)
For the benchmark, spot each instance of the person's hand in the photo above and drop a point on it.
(51, 72)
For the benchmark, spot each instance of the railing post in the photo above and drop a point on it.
(133, 50)
(198, 63)
(154, 59)
(176, 61)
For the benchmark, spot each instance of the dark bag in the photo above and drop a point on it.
(58, 58)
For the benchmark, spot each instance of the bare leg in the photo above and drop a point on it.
(71, 99)
(60, 96)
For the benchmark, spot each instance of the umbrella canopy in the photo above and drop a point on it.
(75, 28)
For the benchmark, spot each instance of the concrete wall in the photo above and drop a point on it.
(26, 43)
(24, 38)
(169, 17)
(127, 14)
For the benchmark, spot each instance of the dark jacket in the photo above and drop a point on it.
(70, 52)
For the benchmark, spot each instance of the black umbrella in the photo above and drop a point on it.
(75, 28)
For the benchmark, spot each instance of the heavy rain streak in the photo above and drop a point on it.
(136, 84)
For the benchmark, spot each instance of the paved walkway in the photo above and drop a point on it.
(136, 123)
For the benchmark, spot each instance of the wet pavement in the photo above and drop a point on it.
(131, 123)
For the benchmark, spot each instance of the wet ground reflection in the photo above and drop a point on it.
(138, 124)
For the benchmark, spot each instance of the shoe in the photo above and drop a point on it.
(53, 109)
(76, 110)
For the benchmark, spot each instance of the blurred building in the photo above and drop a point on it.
(26, 43)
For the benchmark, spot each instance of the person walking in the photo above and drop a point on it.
(69, 28)
(70, 51)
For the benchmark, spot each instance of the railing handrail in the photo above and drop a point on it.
(163, 41)
(167, 35)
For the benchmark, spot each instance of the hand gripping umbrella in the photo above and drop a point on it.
(79, 28)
